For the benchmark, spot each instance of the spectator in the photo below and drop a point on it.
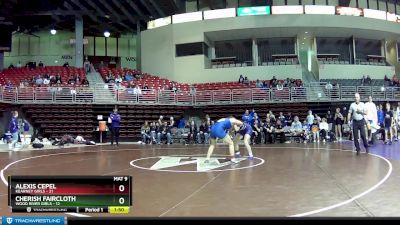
(193, 90)
(297, 127)
(246, 81)
(368, 80)
(181, 123)
(279, 86)
(118, 80)
(137, 90)
(85, 82)
(172, 122)
(192, 132)
(282, 118)
(41, 64)
(14, 129)
(203, 134)
(265, 84)
(19, 65)
(86, 65)
(329, 119)
(145, 87)
(268, 130)
(273, 79)
(310, 118)
(66, 64)
(363, 80)
(259, 84)
(256, 133)
(164, 133)
(46, 81)
(115, 126)
(160, 120)
(11, 66)
(241, 79)
(381, 116)
(280, 131)
(39, 81)
(315, 130)
(338, 119)
(129, 77)
(389, 122)
(324, 129)
(173, 88)
(328, 86)
(289, 119)
(146, 135)
(153, 132)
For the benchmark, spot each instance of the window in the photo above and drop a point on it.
(197, 48)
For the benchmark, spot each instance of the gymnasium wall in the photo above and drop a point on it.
(158, 45)
(56, 49)
(329, 71)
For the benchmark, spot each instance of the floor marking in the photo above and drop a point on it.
(296, 215)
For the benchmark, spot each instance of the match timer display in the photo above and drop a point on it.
(81, 194)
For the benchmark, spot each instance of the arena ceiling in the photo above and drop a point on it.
(117, 16)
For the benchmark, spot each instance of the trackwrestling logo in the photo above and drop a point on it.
(193, 163)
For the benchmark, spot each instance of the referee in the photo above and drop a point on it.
(356, 114)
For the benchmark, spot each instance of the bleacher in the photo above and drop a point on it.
(155, 82)
(57, 120)
(354, 82)
(16, 75)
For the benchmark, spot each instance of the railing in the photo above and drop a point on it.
(111, 95)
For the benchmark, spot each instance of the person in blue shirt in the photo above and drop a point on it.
(381, 116)
(25, 126)
(181, 123)
(220, 131)
(115, 126)
(13, 128)
(246, 117)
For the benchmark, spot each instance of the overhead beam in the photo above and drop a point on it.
(148, 8)
(127, 14)
(77, 3)
(162, 14)
(116, 18)
(137, 10)
(109, 8)
(54, 12)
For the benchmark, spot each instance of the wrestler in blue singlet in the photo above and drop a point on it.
(219, 129)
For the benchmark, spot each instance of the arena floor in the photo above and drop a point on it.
(283, 180)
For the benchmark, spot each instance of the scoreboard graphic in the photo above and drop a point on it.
(78, 194)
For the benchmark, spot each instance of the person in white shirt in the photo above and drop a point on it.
(137, 90)
(396, 118)
(371, 117)
(324, 129)
(118, 80)
(46, 81)
(356, 118)
(310, 118)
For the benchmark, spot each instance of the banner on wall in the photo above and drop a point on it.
(219, 13)
(288, 9)
(73, 41)
(320, 9)
(66, 57)
(393, 17)
(159, 22)
(254, 11)
(375, 14)
(348, 11)
(187, 17)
